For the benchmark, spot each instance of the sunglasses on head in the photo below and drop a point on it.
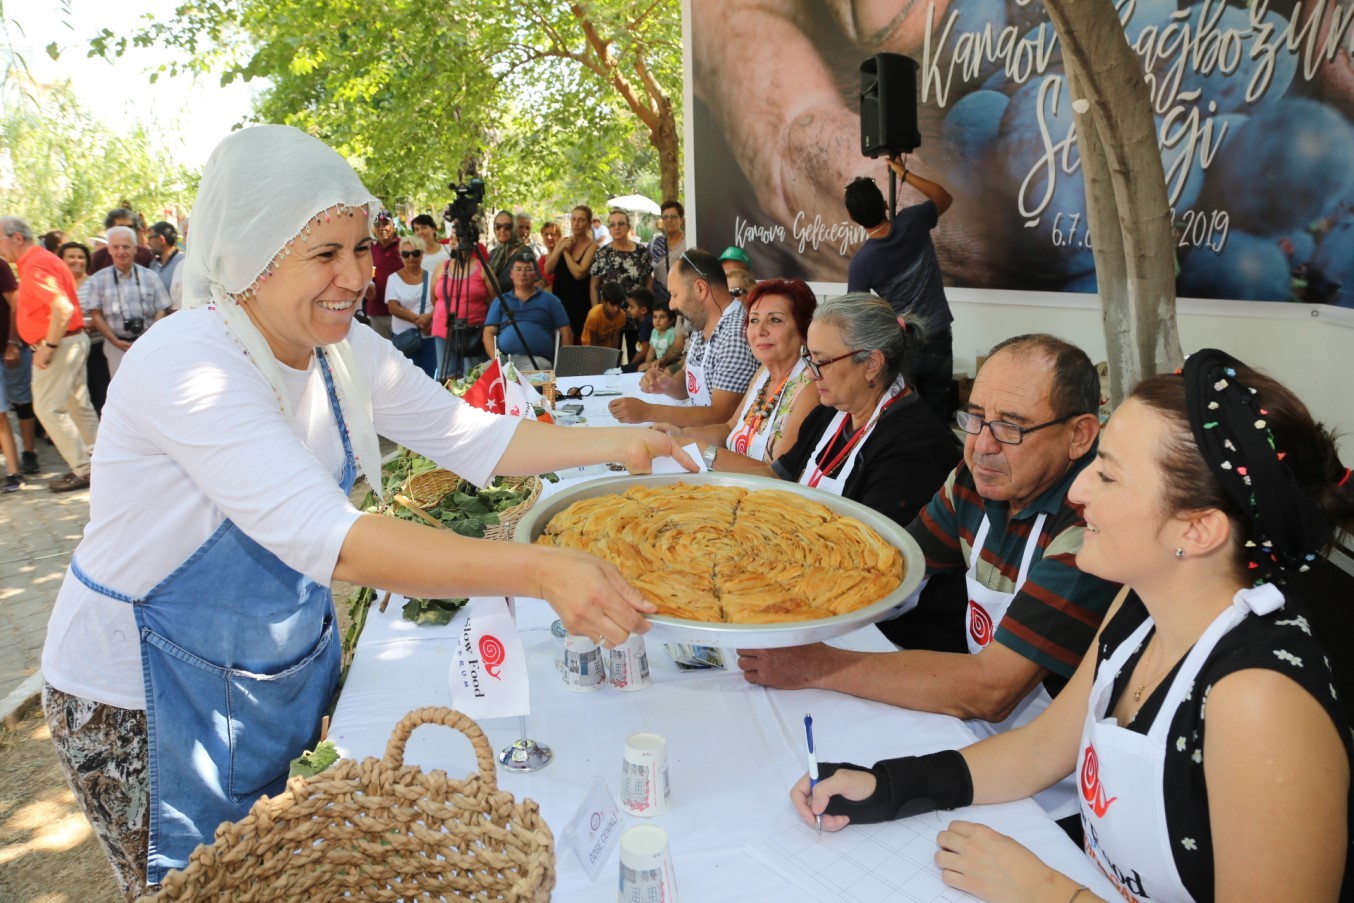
(411, 253)
(691, 263)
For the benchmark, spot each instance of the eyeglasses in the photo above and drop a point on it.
(498, 226)
(691, 263)
(1003, 432)
(618, 224)
(737, 292)
(816, 367)
(579, 392)
(411, 253)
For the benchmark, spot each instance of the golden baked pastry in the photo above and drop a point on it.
(721, 553)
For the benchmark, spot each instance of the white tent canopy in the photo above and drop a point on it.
(636, 203)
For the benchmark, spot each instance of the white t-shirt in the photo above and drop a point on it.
(191, 435)
(408, 296)
(430, 261)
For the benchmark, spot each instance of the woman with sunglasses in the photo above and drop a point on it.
(410, 303)
(779, 397)
(870, 440)
(570, 263)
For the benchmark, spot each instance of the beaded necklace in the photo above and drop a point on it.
(762, 406)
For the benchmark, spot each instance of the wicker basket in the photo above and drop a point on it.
(380, 830)
(425, 490)
(542, 381)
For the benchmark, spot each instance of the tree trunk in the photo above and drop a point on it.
(1127, 208)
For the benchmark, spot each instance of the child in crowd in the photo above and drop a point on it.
(638, 303)
(606, 321)
(665, 344)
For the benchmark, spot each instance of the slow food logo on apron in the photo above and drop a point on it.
(1091, 788)
(979, 623)
(692, 387)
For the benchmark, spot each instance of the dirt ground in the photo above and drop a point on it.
(48, 852)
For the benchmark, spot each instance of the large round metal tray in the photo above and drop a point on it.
(749, 636)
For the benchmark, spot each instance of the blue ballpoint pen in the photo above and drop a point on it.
(813, 767)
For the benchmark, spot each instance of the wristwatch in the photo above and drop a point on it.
(50, 345)
(708, 456)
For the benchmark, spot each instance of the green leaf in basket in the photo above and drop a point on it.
(312, 762)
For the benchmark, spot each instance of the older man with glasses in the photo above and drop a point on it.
(1003, 521)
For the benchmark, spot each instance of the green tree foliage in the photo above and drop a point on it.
(555, 103)
(61, 168)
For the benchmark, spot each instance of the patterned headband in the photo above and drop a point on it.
(1235, 440)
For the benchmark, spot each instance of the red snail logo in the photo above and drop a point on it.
(740, 443)
(492, 654)
(1091, 788)
(979, 623)
(690, 383)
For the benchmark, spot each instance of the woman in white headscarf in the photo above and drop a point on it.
(192, 649)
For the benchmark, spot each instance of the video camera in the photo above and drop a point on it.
(462, 210)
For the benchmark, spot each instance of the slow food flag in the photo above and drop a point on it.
(489, 668)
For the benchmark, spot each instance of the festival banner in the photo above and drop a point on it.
(1253, 99)
(489, 668)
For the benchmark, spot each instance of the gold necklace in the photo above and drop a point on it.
(1137, 694)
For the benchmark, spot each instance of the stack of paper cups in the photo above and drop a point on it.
(627, 666)
(644, 783)
(583, 669)
(646, 866)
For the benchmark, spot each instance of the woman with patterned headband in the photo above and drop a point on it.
(192, 650)
(1211, 488)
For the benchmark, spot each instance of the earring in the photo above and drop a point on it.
(1179, 553)
(870, 383)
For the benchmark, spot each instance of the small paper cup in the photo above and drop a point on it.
(646, 866)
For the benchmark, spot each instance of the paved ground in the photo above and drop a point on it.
(38, 531)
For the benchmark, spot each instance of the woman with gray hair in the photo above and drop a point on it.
(872, 439)
(192, 649)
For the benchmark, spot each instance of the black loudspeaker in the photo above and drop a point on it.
(888, 105)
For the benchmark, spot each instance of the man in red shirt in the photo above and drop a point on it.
(49, 319)
(385, 259)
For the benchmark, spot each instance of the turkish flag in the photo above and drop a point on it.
(488, 393)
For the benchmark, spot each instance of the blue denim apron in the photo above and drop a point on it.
(240, 656)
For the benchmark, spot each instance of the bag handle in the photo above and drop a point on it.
(423, 297)
(484, 756)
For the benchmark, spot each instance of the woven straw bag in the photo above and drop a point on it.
(425, 490)
(380, 830)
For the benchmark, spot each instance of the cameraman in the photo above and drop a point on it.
(123, 300)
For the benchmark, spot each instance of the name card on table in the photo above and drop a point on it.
(595, 828)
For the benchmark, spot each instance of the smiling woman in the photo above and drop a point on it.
(196, 613)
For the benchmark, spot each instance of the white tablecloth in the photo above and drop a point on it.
(734, 750)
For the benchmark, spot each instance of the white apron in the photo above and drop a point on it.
(745, 440)
(812, 476)
(986, 608)
(697, 380)
(697, 388)
(1123, 806)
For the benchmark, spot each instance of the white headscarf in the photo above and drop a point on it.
(262, 188)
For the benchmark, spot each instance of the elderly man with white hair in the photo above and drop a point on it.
(123, 300)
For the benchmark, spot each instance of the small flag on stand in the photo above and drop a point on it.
(489, 667)
(495, 394)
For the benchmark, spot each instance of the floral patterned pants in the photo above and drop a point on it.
(104, 753)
